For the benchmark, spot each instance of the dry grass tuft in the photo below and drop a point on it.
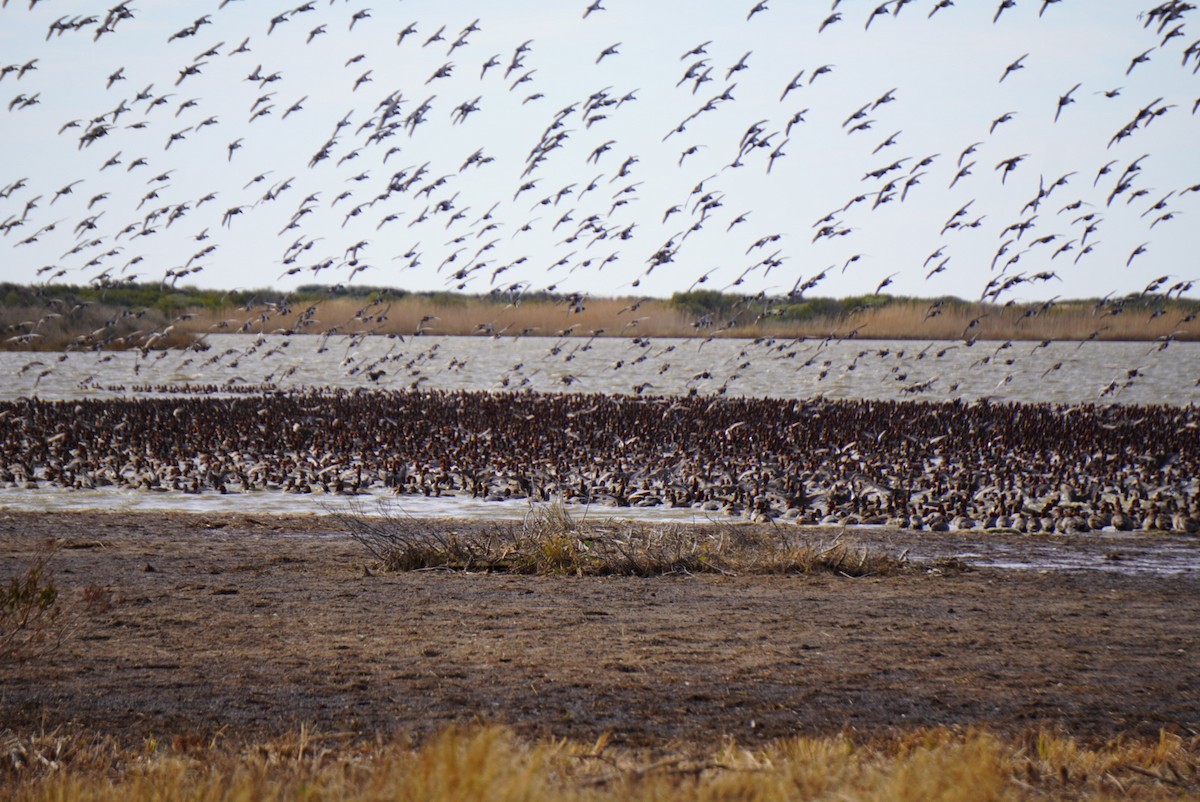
(491, 763)
(835, 557)
(550, 541)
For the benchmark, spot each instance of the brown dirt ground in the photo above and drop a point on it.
(255, 625)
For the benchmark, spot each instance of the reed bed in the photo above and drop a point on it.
(613, 317)
(1074, 321)
(459, 316)
(492, 763)
(109, 326)
(550, 541)
(148, 317)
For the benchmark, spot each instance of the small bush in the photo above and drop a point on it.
(32, 618)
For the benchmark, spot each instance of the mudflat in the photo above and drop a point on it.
(253, 625)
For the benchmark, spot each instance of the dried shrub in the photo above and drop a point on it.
(33, 619)
(400, 543)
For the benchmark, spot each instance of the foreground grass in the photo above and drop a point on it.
(550, 541)
(491, 763)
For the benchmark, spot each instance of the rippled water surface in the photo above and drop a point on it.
(1128, 373)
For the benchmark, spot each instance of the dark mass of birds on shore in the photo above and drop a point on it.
(1029, 468)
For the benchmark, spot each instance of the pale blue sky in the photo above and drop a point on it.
(944, 69)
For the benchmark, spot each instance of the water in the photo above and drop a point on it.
(1113, 552)
(1060, 372)
(50, 498)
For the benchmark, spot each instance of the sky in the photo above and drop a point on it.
(363, 157)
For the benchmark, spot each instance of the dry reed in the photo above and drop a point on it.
(612, 317)
(458, 316)
(96, 325)
(182, 318)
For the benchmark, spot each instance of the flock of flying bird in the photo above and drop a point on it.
(379, 197)
(366, 213)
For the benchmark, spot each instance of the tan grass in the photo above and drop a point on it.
(95, 325)
(1067, 321)
(457, 315)
(551, 541)
(491, 763)
(60, 324)
(608, 317)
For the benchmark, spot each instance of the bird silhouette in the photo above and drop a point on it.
(1064, 100)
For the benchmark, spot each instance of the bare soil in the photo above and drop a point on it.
(256, 625)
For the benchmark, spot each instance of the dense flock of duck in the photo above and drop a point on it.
(954, 465)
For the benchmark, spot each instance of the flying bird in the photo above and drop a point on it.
(939, 6)
(1064, 100)
(795, 83)
(831, 19)
(611, 50)
(880, 10)
(1141, 58)
(1013, 67)
(1138, 251)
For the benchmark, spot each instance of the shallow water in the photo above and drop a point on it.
(50, 499)
(1110, 551)
(873, 369)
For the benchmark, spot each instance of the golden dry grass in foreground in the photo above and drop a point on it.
(490, 763)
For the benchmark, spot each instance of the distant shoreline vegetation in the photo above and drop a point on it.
(152, 316)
